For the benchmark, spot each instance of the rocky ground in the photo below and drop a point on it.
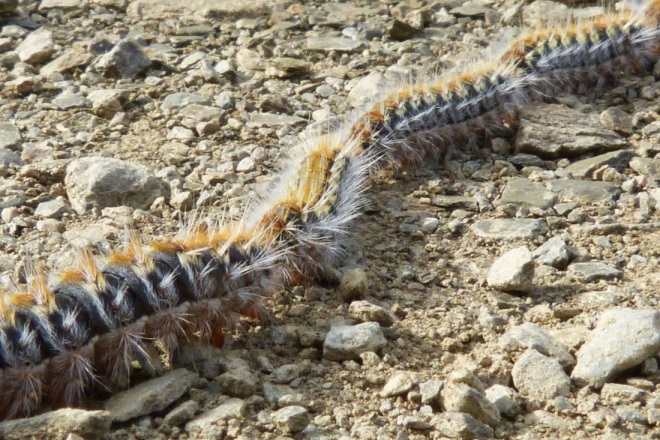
(514, 296)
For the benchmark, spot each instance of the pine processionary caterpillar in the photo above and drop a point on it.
(58, 341)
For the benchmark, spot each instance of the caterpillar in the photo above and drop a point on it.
(58, 341)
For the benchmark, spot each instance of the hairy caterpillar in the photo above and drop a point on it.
(57, 341)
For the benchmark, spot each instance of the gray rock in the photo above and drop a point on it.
(553, 252)
(58, 425)
(354, 284)
(528, 335)
(230, 409)
(202, 113)
(151, 396)
(430, 391)
(622, 339)
(285, 67)
(616, 392)
(429, 225)
(456, 202)
(527, 160)
(65, 5)
(474, 11)
(459, 397)
(272, 120)
(10, 137)
(646, 166)
(593, 271)
(399, 30)
(347, 342)
(616, 119)
(365, 312)
(274, 392)
(540, 377)
(69, 61)
(400, 383)
(246, 165)
(583, 191)
(337, 44)
(508, 228)
(292, 418)
(125, 60)
(504, 399)
(285, 374)
(83, 121)
(181, 414)
(551, 130)
(460, 425)
(524, 192)
(240, 382)
(543, 11)
(37, 47)
(104, 182)
(52, 209)
(546, 420)
(368, 88)
(68, 100)
(512, 271)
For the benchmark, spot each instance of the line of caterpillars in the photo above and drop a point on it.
(86, 330)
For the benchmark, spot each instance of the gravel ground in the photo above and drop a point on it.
(511, 296)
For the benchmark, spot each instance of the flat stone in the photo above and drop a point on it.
(508, 228)
(65, 5)
(616, 392)
(460, 397)
(83, 121)
(616, 119)
(540, 377)
(37, 47)
(547, 420)
(228, 410)
(553, 252)
(583, 191)
(103, 182)
(125, 60)
(180, 100)
(460, 425)
(544, 11)
(622, 339)
(151, 396)
(584, 168)
(68, 100)
(551, 130)
(529, 335)
(52, 209)
(203, 113)
(398, 385)
(285, 67)
(69, 61)
(293, 418)
(474, 11)
(524, 192)
(10, 137)
(512, 271)
(256, 120)
(181, 414)
(238, 382)
(336, 44)
(347, 342)
(399, 30)
(430, 391)
(285, 374)
(58, 425)
(365, 312)
(593, 271)
(456, 202)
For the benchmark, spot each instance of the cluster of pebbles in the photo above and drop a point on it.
(513, 296)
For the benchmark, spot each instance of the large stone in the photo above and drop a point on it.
(460, 425)
(540, 377)
(265, 119)
(151, 396)
(179, 100)
(553, 252)
(459, 397)
(528, 335)
(230, 409)
(68, 100)
(125, 60)
(398, 385)
(551, 130)
(10, 137)
(65, 5)
(346, 342)
(584, 191)
(58, 425)
(524, 192)
(622, 339)
(292, 418)
(512, 271)
(365, 312)
(67, 62)
(337, 44)
(593, 271)
(508, 228)
(37, 47)
(368, 88)
(585, 168)
(102, 182)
